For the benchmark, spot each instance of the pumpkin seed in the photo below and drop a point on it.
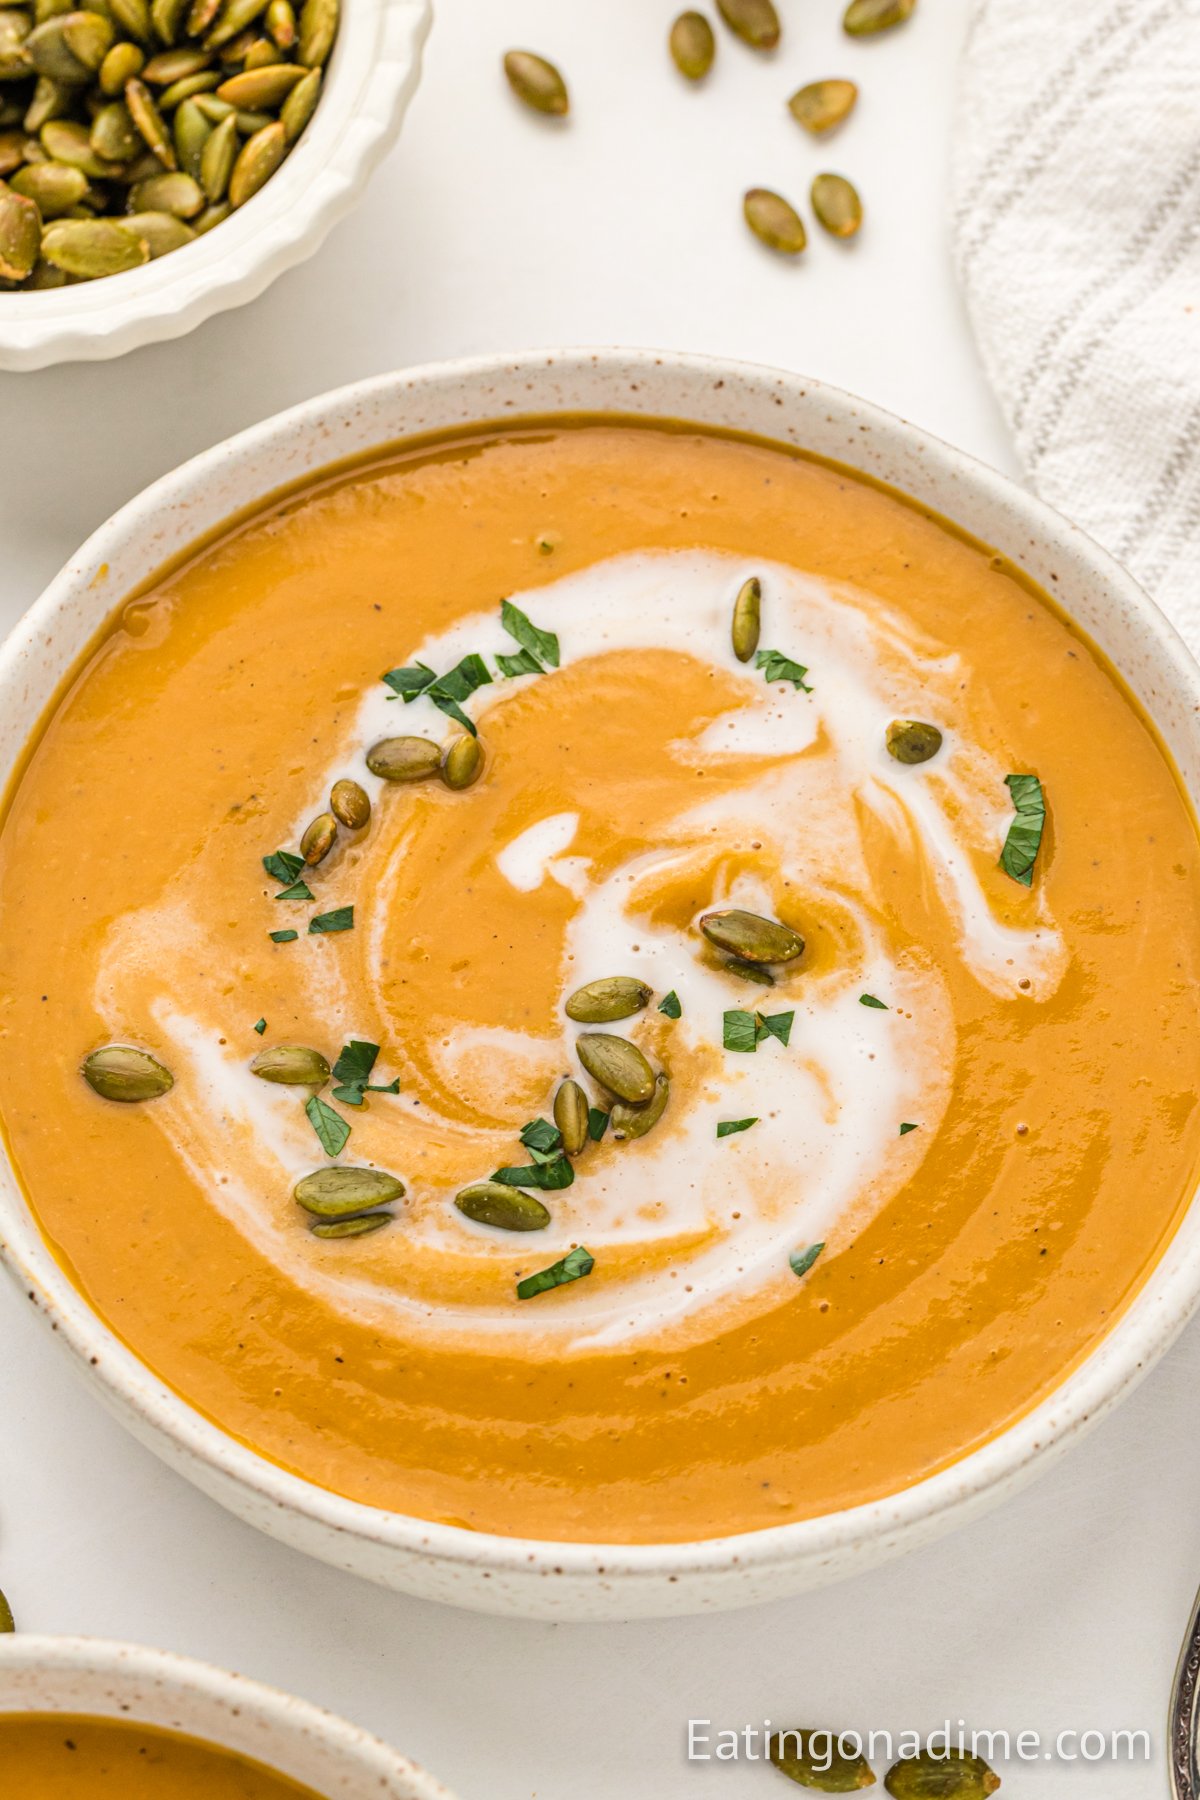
(692, 45)
(7, 1622)
(617, 1065)
(774, 221)
(187, 89)
(751, 938)
(337, 1192)
(821, 105)
(635, 1121)
(201, 16)
(20, 234)
(536, 82)
(351, 1228)
(14, 150)
(119, 1072)
(462, 763)
(755, 21)
(53, 186)
(404, 758)
(300, 105)
(167, 18)
(814, 1759)
(318, 28)
(262, 54)
(50, 101)
(90, 248)
(173, 192)
(261, 90)
(45, 275)
(133, 16)
(234, 18)
(505, 1208)
(149, 121)
(191, 133)
(281, 23)
(123, 62)
(350, 805)
(612, 997)
(319, 839)
(217, 158)
(15, 63)
(161, 232)
(912, 740)
(864, 17)
(212, 215)
(260, 156)
(955, 1776)
(66, 141)
(293, 1065)
(71, 47)
(113, 134)
(837, 205)
(747, 618)
(174, 65)
(571, 1116)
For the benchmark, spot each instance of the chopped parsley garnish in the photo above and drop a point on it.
(597, 1123)
(573, 1267)
(522, 663)
(329, 1126)
(669, 1004)
(727, 1127)
(447, 691)
(542, 1138)
(261, 1026)
(1024, 838)
(870, 1000)
(541, 646)
(776, 1025)
(352, 1071)
(552, 1173)
(740, 1030)
(778, 667)
(340, 919)
(906, 1128)
(283, 937)
(283, 866)
(299, 890)
(803, 1260)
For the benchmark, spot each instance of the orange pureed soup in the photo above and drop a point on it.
(904, 1180)
(46, 1756)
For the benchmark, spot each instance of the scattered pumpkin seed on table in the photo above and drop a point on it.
(537, 83)
(865, 17)
(955, 1776)
(821, 105)
(756, 22)
(101, 103)
(693, 45)
(815, 1760)
(836, 204)
(774, 221)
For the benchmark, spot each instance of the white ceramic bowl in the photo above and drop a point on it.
(598, 1580)
(371, 78)
(118, 1681)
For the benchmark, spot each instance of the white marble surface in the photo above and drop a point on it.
(488, 229)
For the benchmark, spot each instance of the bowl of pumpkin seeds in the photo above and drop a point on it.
(162, 160)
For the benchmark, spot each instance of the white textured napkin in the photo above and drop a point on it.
(1076, 223)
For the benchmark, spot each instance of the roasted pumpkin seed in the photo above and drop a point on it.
(536, 82)
(755, 21)
(617, 1065)
(692, 45)
(66, 141)
(462, 763)
(20, 235)
(90, 248)
(319, 839)
(211, 216)
(865, 17)
(123, 62)
(350, 805)
(300, 105)
(404, 758)
(837, 205)
(218, 156)
(751, 938)
(161, 232)
(956, 1776)
(174, 65)
(7, 1622)
(133, 16)
(70, 47)
(261, 155)
(170, 192)
(114, 135)
(635, 1121)
(293, 1065)
(610, 998)
(281, 24)
(15, 63)
(149, 121)
(119, 1072)
(912, 740)
(571, 1116)
(815, 1759)
(338, 1192)
(362, 1226)
(53, 186)
(774, 221)
(261, 90)
(821, 105)
(506, 1208)
(747, 619)
(191, 132)
(234, 18)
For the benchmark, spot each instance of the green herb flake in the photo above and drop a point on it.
(283, 937)
(555, 1172)
(299, 890)
(542, 1138)
(740, 1030)
(542, 645)
(261, 1026)
(776, 1025)
(728, 1127)
(340, 919)
(572, 1267)
(523, 663)
(778, 667)
(410, 683)
(803, 1260)
(597, 1123)
(283, 866)
(906, 1128)
(1024, 838)
(870, 1000)
(353, 1071)
(447, 691)
(329, 1126)
(669, 1004)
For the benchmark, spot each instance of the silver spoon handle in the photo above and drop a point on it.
(1185, 1714)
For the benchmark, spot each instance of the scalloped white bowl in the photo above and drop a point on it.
(371, 78)
(596, 1580)
(89, 1676)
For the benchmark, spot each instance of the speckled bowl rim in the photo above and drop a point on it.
(372, 76)
(496, 1573)
(131, 1684)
